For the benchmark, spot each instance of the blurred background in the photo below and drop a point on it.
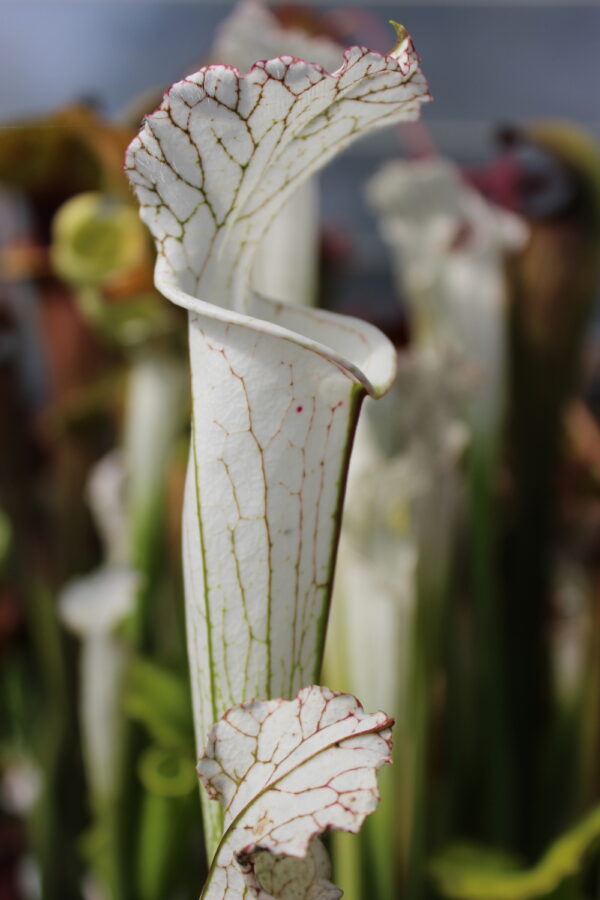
(487, 63)
(479, 256)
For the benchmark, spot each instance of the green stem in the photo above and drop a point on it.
(416, 782)
(493, 784)
(154, 407)
(58, 819)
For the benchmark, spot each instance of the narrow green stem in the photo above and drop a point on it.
(493, 787)
(58, 818)
(418, 719)
(154, 406)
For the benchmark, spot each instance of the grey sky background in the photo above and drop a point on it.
(487, 61)
(484, 60)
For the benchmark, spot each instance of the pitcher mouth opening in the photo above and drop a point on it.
(373, 366)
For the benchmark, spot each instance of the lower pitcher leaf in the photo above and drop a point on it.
(285, 771)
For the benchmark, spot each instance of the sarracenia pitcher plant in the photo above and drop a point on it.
(276, 389)
(449, 249)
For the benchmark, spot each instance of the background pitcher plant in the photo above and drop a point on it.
(286, 264)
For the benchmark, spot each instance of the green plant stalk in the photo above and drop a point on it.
(462, 731)
(383, 837)
(349, 863)
(155, 399)
(550, 307)
(590, 718)
(494, 785)
(368, 864)
(349, 851)
(167, 812)
(165, 823)
(392, 847)
(478, 787)
(394, 840)
(58, 816)
(48, 723)
(158, 698)
(426, 630)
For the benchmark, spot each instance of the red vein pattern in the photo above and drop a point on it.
(285, 772)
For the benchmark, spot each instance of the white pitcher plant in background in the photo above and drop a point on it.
(93, 607)
(403, 502)
(276, 388)
(403, 494)
(448, 248)
(286, 263)
(125, 489)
